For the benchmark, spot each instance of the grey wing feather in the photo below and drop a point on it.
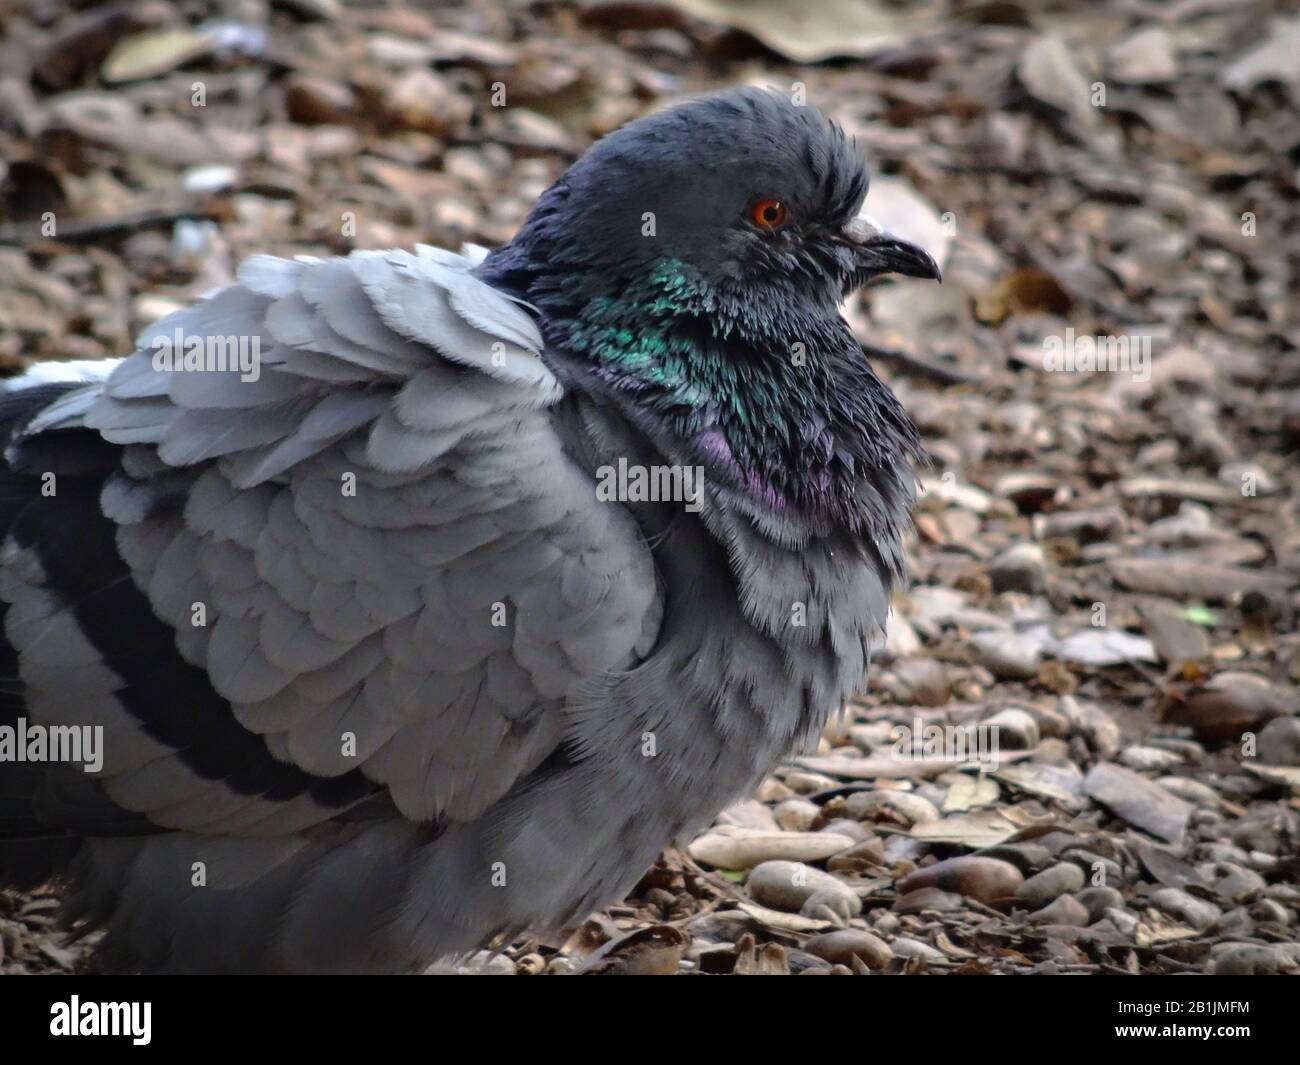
(380, 525)
(269, 276)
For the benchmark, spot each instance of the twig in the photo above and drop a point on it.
(919, 367)
(91, 229)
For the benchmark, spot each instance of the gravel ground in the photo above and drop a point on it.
(1105, 563)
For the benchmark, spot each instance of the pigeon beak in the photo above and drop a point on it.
(880, 252)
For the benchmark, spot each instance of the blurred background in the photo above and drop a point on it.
(1111, 556)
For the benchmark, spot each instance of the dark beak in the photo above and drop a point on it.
(880, 252)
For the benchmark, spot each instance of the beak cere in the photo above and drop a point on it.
(880, 252)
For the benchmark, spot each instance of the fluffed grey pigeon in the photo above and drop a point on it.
(489, 577)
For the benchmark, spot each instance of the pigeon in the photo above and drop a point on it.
(378, 609)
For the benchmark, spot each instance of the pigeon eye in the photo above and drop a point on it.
(767, 213)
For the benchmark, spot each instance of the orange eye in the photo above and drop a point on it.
(768, 214)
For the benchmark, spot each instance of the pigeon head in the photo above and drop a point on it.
(753, 197)
(690, 267)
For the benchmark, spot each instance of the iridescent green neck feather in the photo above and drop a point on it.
(781, 407)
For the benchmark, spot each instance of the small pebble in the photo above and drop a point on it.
(909, 807)
(1097, 900)
(1195, 912)
(1016, 730)
(1233, 882)
(980, 878)
(809, 783)
(772, 790)
(1279, 742)
(1149, 758)
(841, 946)
(1236, 921)
(927, 899)
(749, 814)
(1220, 851)
(727, 847)
(919, 681)
(531, 964)
(796, 815)
(1092, 863)
(1268, 911)
(1192, 791)
(870, 850)
(1059, 879)
(789, 886)
(1287, 894)
(906, 947)
(1066, 910)
(1006, 655)
(842, 826)
(1020, 568)
(1126, 923)
(1248, 959)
